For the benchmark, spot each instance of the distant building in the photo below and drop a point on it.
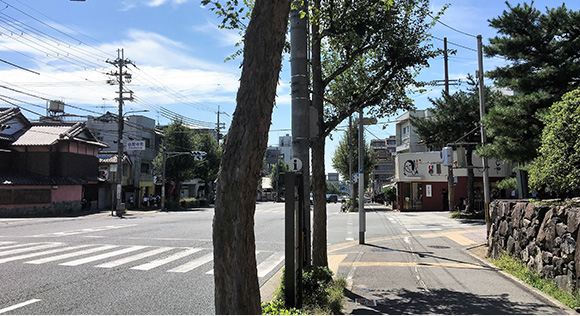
(46, 167)
(384, 171)
(285, 146)
(421, 177)
(137, 175)
(407, 140)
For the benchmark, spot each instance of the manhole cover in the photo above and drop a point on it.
(382, 250)
(439, 247)
(365, 302)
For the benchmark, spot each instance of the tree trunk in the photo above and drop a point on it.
(319, 240)
(236, 281)
(470, 179)
(319, 248)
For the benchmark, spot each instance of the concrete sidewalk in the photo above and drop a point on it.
(387, 276)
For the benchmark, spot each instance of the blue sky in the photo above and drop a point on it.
(179, 52)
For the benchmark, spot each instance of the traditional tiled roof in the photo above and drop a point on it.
(8, 178)
(42, 134)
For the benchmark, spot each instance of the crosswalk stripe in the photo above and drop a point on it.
(30, 248)
(70, 255)
(43, 253)
(6, 243)
(12, 246)
(160, 262)
(121, 261)
(193, 264)
(269, 264)
(102, 256)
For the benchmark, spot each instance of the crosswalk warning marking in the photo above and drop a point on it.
(29, 247)
(269, 264)
(102, 256)
(160, 262)
(193, 264)
(42, 253)
(136, 257)
(38, 253)
(12, 246)
(72, 254)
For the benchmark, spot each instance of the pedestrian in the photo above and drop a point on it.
(131, 202)
(144, 200)
(151, 201)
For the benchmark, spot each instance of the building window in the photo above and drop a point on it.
(405, 130)
(147, 142)
(144, 168)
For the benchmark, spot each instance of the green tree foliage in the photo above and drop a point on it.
(365, 55)
(177, 138)
(456, 118)
(558, 163)
(340, 160)
(543, 51)
(207, 169)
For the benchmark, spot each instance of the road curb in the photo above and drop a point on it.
(267, 290)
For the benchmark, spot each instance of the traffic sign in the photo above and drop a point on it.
(295, 164)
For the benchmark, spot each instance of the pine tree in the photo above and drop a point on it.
(543, 50)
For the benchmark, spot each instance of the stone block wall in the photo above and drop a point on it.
(544, 237)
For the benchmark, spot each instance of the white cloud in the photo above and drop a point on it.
(222, 36)
(156, 3)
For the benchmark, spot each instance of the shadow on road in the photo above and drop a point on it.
(442, 302)
(429, 254)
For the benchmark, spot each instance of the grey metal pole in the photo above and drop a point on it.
(486, 192)
(361, 181)
(351, 207)
(163, 158)
(120, 135)
(301, 108)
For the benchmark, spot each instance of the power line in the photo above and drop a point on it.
(450, 27)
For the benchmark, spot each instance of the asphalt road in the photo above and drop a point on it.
(145, 263)
(161, 263)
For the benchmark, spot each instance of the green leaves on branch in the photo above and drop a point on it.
(558, 163)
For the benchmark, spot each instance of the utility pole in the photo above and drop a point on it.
(361, 181)
(450, 176)
(219, 125)
(120, 76)
(301, 111)
(486, 193)
(350, 146)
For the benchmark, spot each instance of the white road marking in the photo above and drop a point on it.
(42, 253)
(84, 231)
(102, 256)
(31, 248)
(269, 264)
(70, 255)
(140, 256)
(193, 264)
(160, 262)
(13, 307)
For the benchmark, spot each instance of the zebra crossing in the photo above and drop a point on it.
(133, 257)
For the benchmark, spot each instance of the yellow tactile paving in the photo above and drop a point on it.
(334, 261)
(455, 236)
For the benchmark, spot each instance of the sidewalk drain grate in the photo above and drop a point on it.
(365, 302)
(382, 250)
(439, 247)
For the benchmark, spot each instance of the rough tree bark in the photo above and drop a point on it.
(319, 248)
(235, 273)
